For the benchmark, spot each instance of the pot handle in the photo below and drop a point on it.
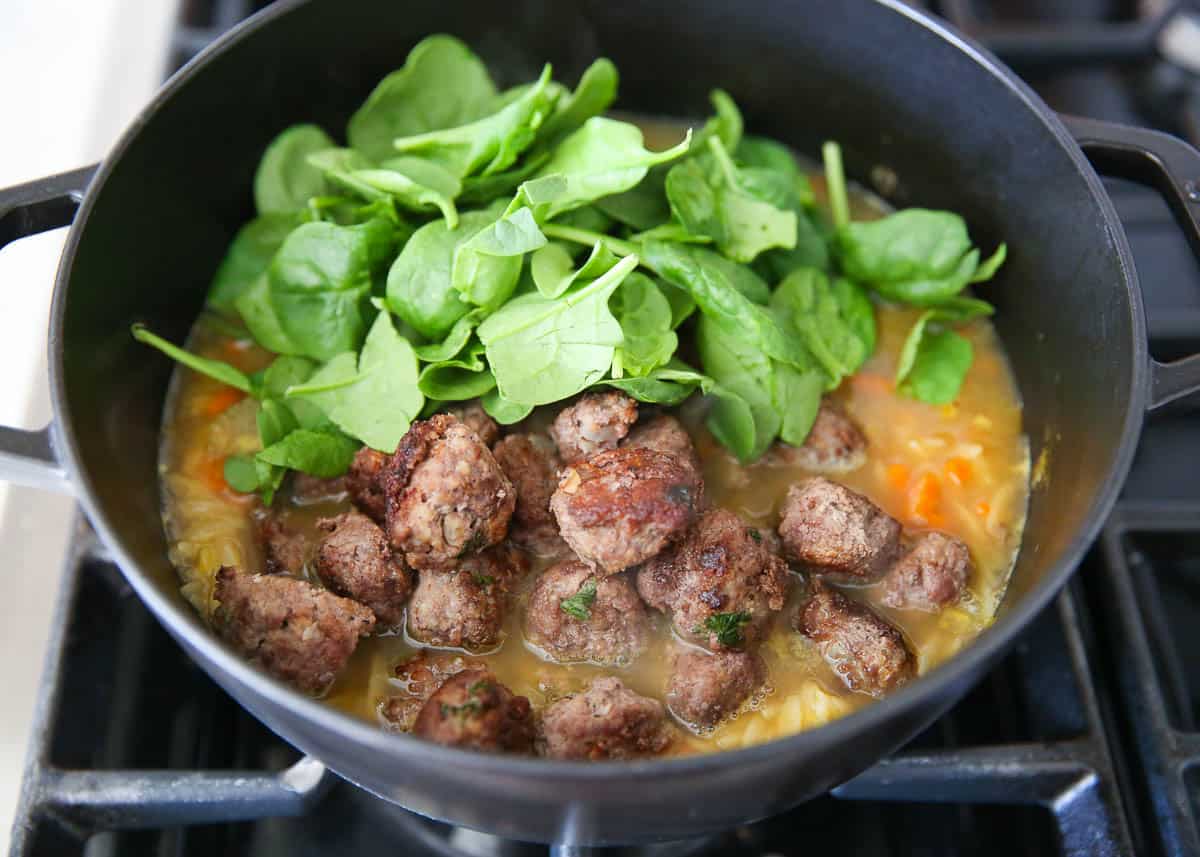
(29, 457)
(1172, 167)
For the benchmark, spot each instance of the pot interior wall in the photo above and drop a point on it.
(895, 95)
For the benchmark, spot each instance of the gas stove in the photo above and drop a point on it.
(1081, 742)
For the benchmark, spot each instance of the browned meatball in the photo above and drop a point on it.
(720, 584)
(834, 445)
(867, 654)
(353, 559)
(464, 607)
(531, 464)
(666, 434)
(285, 549)
(832, 530)
(364, 481)
(416, 679)
(475, 711)
(593, 424)
(575, 616)
(308, 489)
(930, 576)
(621, 507)
(607, 721)
(476, 418)
(446, 495)
(706, 687)
(299, 632)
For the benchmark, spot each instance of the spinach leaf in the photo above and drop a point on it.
(320, 282)
(285, 180)
(597, 89)
(739, 366)
(797, 397)
(682, 305)
(588, 217)
(725, 126)
(419, 287)
(645, 318)
(465, 376)
(415, 184)
(602, 158)
(835, 320)
(543, 349)
(241, 474)
(717, 285)
(553, 268)
(767, 154)
(709, 197)
(933, 363)
(502, 410)
(488, 145)
(375, 400)
(321, 454)
(214, 369)
(455, 340)
(275, 422)
(255, 307)
(484, 189)
(486, 267)
(442, 85)
(283, 372)
(248, 256)
(783, 192)
(644, 206)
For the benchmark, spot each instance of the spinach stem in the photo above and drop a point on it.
(835, 181)
(589, 237)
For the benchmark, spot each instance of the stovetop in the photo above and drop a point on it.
(1082, 741)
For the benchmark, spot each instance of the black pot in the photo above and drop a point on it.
(896, 88)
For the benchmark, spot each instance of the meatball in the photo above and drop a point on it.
(666, 434)
(607, 721)
(832, 530)
(463, 608)
(575, 616)
(595, 423)
(475, 711)
(285, 548)
(446, 495)
(364, 481)
(299, 632)
(353, 559)
(720, 584)
(417, 678)
(930, 576)
(867, 654)
(706, 687)
(834, 445)
(621, 507)
(531, 464)
(474, 417)
(308, 489)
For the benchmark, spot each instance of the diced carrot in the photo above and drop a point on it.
(869, 382)
(222, 400)
(925, 496)
(214, 475)
(983, 508)
(958, 471)
(897, 476)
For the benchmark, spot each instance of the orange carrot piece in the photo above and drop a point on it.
(958, 471)
(897, 476)
(983, 508)
(869, 382)
(925, 496)
(222, 400)
(213, 472)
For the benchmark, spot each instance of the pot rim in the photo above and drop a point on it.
(183, 623)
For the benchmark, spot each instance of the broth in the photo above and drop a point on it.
(962, 468)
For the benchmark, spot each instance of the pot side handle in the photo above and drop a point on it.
(29, 457)
(1172, 167)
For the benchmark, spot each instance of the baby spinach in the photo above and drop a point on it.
(797, 397)
(419, 287)
(464, 376)
(442, 85)
(248, 256)
(320, 281)
(648, 340)
(597, 89)
(215, 369)
(486, 189)
(710, 197)
(455, 340)
(544, 349)
(644, 206)
(602, 158)
(285, 179)
(486, 267)
(554, 271)
(726, 125)
(835, 320)
(934, 363)
(780, 190)
(374, 398)
(241, 474)
(490, 144)
(739, 366)
(319, 453)
(255, 307)
(768, 154)
(502, 410)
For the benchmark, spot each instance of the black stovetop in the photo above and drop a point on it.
(1081, 742)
